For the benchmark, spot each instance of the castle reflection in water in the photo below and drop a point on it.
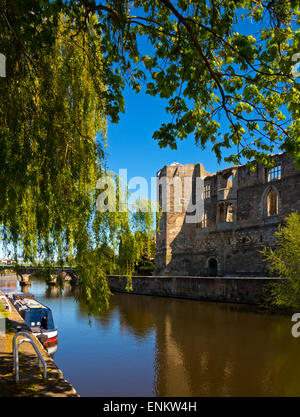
(211, 349)
(196, 348)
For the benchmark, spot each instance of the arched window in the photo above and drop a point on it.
(272, 203)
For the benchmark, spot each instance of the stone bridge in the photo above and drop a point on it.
(68, 274)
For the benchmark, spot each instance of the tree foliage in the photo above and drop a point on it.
(284, 261)
(67, 64)
(224, 85)
(50, 160)
(54, 106)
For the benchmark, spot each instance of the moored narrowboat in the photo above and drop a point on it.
(37, 316)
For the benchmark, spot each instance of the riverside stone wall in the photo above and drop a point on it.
(233, 290)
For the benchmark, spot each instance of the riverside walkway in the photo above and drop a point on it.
(31, 382)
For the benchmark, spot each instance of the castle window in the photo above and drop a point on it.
(274, 173)
(204, 220)
(225, 212)
(227, 180)
(272, 203)
(193, 190)
(203, 223)
(229, 213)
(207, 191)
(221, 212)
(160, 195)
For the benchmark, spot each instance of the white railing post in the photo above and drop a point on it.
(16, 353)
(7, 302)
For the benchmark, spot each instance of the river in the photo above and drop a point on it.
(155, 346)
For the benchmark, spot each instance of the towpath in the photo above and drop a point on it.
(31, 382)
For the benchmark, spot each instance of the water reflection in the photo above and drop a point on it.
(172, 347)
(8, 284)
(25, 288)
(213, 349)
(51, 349)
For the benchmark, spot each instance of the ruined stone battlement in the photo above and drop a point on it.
(236, 212)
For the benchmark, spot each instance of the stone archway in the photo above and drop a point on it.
(212, 267)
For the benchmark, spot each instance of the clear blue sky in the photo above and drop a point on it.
(131, 146)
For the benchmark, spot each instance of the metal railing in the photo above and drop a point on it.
(3, 297)
(16, 353)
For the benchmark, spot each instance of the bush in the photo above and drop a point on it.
(284, 261)
(144, 267)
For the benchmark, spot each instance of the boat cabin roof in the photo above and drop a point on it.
(28, 303)
(22, 295)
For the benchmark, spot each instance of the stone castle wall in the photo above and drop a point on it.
(230, 290)
(241, 211)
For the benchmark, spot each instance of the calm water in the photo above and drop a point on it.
(152, 346)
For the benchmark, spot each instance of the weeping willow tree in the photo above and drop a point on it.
(127, 231)
(50, 161)
(139, 244)
(54, 103)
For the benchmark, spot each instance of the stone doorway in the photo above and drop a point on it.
(212, 267)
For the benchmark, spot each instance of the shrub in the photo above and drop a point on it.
(284, 261)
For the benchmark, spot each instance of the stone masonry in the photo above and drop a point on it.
(241, 210)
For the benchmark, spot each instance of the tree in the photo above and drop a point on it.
(284, 261)
(67, 64)
(50, 161)
(226, 87)
(54, 103)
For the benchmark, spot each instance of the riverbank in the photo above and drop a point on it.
(31, 382)
(242, 290)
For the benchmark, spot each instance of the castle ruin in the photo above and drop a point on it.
(241, 210)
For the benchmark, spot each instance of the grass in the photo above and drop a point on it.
(3, 312)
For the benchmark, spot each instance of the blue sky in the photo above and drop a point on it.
(131, 146)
